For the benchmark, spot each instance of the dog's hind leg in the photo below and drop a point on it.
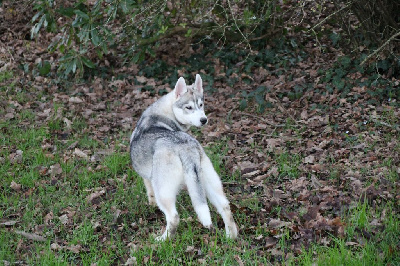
(150, 191)
(166, 180)
(215, 194)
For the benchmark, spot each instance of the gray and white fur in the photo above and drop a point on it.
(168, 158)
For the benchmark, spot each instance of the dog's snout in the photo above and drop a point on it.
(203, 120)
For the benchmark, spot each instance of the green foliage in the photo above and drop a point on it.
(89, 30)
(6, 75)
(339, 78)
(258, 96)
(288, 165)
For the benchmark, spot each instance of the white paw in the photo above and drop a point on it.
(232, 231)
(161, 238)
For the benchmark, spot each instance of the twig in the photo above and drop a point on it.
(331, 15)
(387, 125)
(380, 48)
(283, 109)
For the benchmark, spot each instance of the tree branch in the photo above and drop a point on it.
(380, 48)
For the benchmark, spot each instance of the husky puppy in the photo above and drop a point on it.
(168, 158)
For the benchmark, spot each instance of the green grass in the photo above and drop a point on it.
(288, 164)
(101, 237)
(119, 224)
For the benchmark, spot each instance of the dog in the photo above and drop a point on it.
(168, 158)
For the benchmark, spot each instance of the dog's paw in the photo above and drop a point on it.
(162, 238)
(232, 231)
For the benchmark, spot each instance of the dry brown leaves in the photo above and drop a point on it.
(339, 155)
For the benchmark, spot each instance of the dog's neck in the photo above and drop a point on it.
(160, 109)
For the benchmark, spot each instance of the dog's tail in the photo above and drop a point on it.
(192, 172)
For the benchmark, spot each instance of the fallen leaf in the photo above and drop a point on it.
(55, 246)
(273, 171)
(48, 217)
(74, 248)
(189, 249)
(55, 170)
(75, 100)
(141, 79)
(9, 116)
(238, 260)
(349, 243)
(131, 261)
(8, 223)
(80, 153)
(276, 223)
(68, 123)
(16, 157)
(270, 242)
(309, 159)
(15, 186)
(95, 195)
(63, 219)
(30, 236)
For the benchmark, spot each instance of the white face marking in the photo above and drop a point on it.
(200, 104)
(191, 114)
(189, 106)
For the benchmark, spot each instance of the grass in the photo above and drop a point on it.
(118, 225)
(102, 237)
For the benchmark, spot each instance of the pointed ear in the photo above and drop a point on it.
(198, 84)
(180, 88)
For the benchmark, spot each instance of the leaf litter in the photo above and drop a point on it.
(342, 145)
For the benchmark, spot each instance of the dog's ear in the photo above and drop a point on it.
(198, 84)
(180, 87)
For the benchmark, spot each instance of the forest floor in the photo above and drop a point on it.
(306, 141)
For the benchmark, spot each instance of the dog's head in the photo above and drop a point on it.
(189, 103)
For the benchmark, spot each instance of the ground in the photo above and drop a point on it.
(306, 143)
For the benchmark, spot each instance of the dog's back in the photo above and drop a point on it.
(156, 133)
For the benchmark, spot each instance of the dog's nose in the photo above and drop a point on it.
(203, 120)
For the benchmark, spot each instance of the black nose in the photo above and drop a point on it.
(203, 120)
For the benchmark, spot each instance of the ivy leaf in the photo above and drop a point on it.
(243, 104)
(45, 68)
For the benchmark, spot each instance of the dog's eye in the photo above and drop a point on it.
(201, 105)
(189, 107)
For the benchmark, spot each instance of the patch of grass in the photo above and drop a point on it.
(288, 165)
(377, 248)
(118, 224)
(117, 163)
(6, 75)
(216, 151)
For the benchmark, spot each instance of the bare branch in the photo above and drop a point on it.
(380, 48)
